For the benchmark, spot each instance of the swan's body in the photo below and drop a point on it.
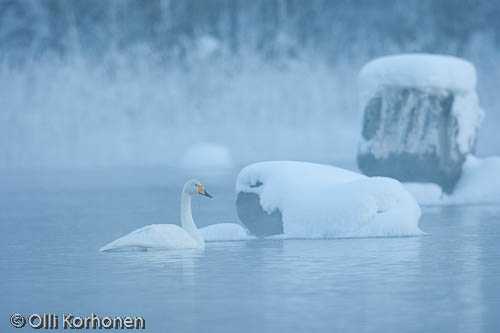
(154, 236)
(171, 236)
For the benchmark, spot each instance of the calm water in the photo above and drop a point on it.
(52, 225)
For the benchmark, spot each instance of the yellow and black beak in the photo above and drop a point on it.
(201, 190)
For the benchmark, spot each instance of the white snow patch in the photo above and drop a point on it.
(426, 193)
(419, 70)
(205, 155)
(479, 184)
(225, 232)
(320, 201)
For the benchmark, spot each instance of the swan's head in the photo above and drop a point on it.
(194, 186)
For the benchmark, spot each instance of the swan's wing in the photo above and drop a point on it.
(225, 232)
(155, 236)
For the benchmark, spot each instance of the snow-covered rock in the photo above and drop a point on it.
(421, 118)
(319, 201)
(206, 155)
(479, 184)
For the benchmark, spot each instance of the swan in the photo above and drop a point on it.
(171, 236)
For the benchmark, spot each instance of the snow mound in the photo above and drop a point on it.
(479, 184)
(319, 201)
(225, 232)
(205, 155)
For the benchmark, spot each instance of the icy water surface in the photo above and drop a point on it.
(53, 223)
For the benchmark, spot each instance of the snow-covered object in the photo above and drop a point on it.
(206, 155)
(421, 117)
(479, 184)
(320, 201)
(225, 232)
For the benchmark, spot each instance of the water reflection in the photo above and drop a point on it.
(171, 262)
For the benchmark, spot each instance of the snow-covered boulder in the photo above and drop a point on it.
(421, 118)
(479, 184)
(207, 155)
(307, 200)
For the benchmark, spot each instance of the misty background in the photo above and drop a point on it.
(96, 83)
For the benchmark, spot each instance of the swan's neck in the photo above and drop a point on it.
(187, 221)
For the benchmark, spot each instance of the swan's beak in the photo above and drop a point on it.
(202, 191)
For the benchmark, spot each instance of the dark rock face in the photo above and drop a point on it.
(255, 218)
(410, 134)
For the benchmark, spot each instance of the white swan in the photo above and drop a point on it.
(171, 236)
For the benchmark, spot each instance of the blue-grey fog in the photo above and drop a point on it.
(250, 166)
(109, 83)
